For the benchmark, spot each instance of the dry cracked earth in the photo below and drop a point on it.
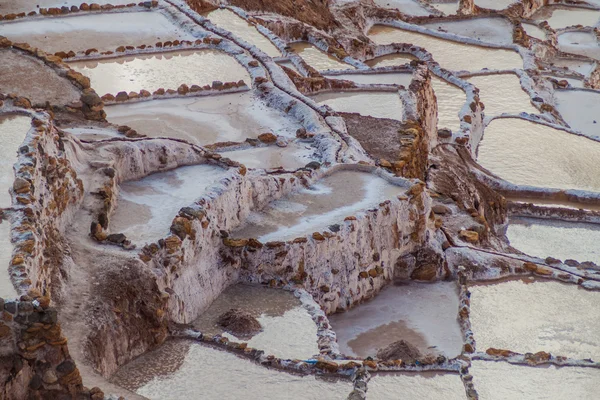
(299, 199)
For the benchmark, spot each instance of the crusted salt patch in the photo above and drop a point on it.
(232, 117)
(13, 129)
(147, 207)
(558, 239)
(425, 385)
(473, 58)
(501, 380)
(526, 153)
(373, 104)
(523, 317)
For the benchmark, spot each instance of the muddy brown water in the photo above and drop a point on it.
(288, 331)
(423, 314)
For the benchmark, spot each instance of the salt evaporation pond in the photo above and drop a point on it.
(385, 78)
(328, 202)
(373, 104)
(560, 18)
(183, 370)
(447, 8)
(526, 153)
(93, 133)
(450, 100)
(288, 329)
(103, 32)
(426, 385)
(13, 129)
(527, 317)
(146, 208)
(502, 93)
(390, 60)
(552, 238)
(231, 22)
(576, 83)
(7, 290)
(501, 381)
(291, 157)
(17, 6)
(318, 59)
(232, 117)
(534, 31)
(450, 55)
(581, 66)
(164, 70)
(410, 7)
(580, 109)
(423, 314)
(495, 4)
(581, 43)
(491, 30)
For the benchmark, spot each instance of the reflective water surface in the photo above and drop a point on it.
(502, 93)
(318, 59)
(165, 70)
(232, 117)
(446, 53)
(423, 314)
(314, 209)
(182, 369)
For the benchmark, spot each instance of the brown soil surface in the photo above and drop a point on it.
(31, 78)
(379, 137)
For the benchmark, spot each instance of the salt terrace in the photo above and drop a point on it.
(291, 199)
